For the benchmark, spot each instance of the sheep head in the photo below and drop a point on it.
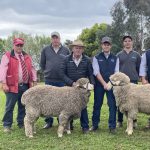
(84, 83)
(118, 79)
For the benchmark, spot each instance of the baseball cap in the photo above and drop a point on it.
(18, 41)
(55, 34)
(127, 36)
(106, 39)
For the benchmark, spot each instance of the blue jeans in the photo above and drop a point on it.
(120, 115)
(49, 120)
(11, 99)
(98, 101)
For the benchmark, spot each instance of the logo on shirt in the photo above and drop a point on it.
(101, 60)
(133, 57)
(112, 60)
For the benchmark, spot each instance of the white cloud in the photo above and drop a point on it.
(44, 16)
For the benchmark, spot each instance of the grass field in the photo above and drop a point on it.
(101, 140)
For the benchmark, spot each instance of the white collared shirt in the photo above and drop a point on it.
(56, 49)
(77, 61)
(143, 66)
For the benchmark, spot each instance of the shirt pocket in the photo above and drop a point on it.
(10, 80)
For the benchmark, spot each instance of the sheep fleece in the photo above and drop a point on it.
(49, 100)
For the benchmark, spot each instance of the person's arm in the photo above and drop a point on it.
(3, 72)
(97, 73)
(117, 65)
(34, 75)
(143, 69)
(90, 72)
(63, 73)
(43, 60)
(138, 63)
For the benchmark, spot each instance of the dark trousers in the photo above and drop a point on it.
(84, 121)
(49, 120)
(120, 115)
(98, 101)
(11, 99)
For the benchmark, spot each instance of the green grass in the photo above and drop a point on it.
(101, 140)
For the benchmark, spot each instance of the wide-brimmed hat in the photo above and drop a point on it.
(77, 43)
(18, 41)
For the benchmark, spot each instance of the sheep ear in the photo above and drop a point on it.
(88, 86)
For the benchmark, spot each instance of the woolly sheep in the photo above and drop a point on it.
(63, 102)
(130, 98)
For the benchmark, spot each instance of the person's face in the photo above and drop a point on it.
(18, 48)
(106, 47)
(77, 51)
(127, 43)
(55, 41)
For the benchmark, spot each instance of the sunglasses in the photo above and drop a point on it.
(19, 45)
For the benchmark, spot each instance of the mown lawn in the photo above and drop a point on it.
(101, 140)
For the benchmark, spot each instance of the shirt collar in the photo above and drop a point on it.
(57, 47)
(76, 59)
(106, 54)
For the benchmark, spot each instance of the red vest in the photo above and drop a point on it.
(12, 76)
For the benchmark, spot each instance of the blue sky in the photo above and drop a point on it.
(68, 17)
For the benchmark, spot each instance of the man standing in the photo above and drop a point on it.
(145, 72)
(104, 65)
(17, 75)
(76, 66)
(51, 58)
(129, 64)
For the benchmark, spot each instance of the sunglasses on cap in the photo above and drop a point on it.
(19, 45)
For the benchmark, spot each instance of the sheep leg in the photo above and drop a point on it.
(130, 126)
(63, 119)
(68, 127)
(127, 128)
(28, 127)
(126, 114)
(29, 121)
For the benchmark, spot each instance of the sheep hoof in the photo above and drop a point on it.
(60, 135)
(68, 132)
(126, 131)
(30, 136)
(129, 132)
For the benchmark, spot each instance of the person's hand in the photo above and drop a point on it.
(105, 86)
(5, 87)
(34, 83)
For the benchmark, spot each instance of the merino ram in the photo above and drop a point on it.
(63, 102)
(130, 98)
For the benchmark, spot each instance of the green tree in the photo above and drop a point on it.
(92, 36)
(138, 13)
(67, 43)
(1, 47)
(118, 25)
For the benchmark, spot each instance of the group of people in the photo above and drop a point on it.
(61, 67)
